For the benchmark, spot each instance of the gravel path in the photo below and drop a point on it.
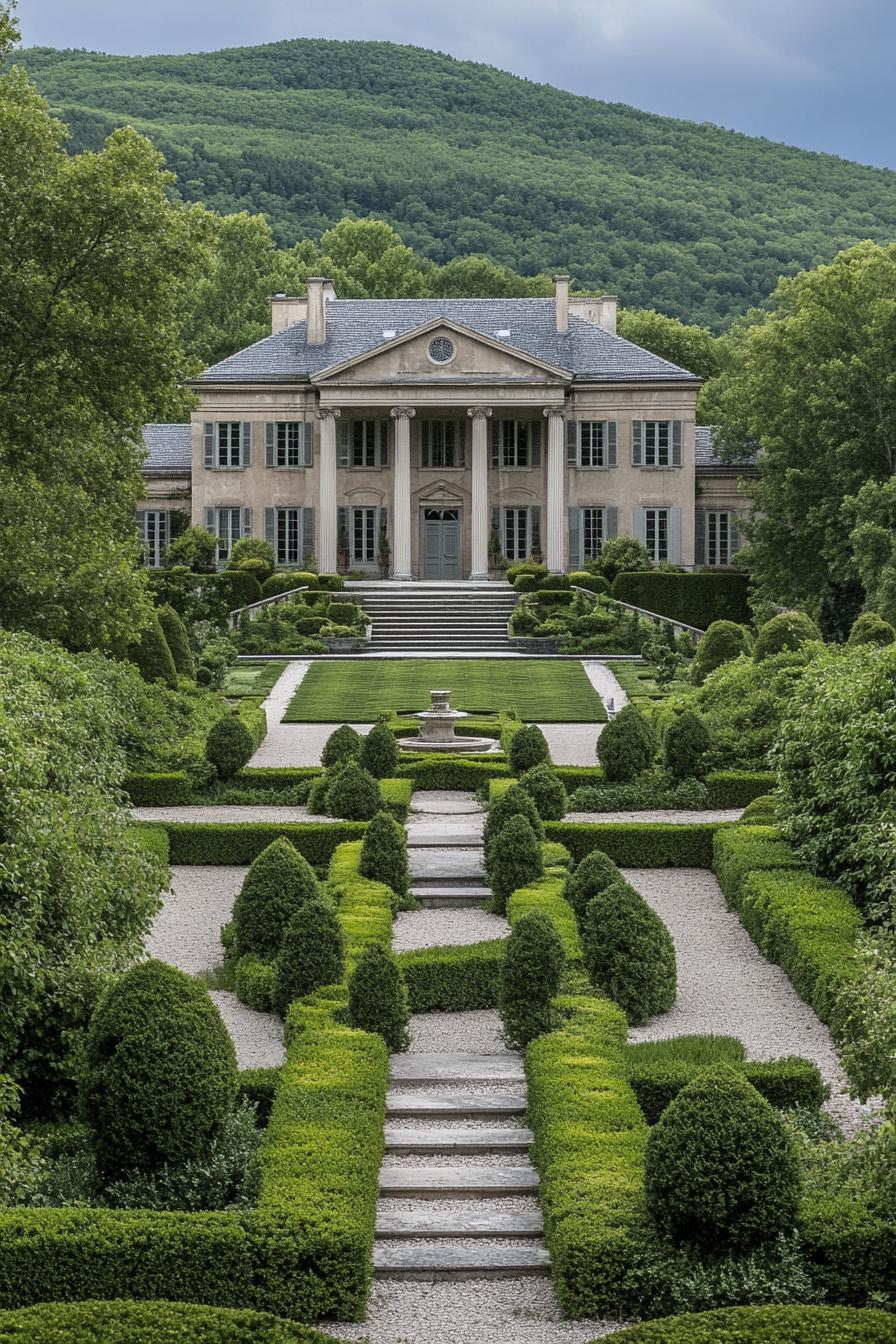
(186, 931)
(476, 1033)
(726, 986)
(226, 812)
(446, 928)
(576, 743)
(668, 815)
(258, 1037)
(604, 682)
(292, 743)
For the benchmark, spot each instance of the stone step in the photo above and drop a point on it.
(472, 1222)
(406, 1260)
(456, 1069)
(446, 807)
(457, 1182)
(452, 898)
(458, 1104)
(447, 837)
(471, 1140)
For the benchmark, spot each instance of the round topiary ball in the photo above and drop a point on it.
(721, 1170)
(628, 952)
(228, 746)
(626, 746)
(869, 628)
(593, 874)
(354, 795)
(687, 742)
(378, 997)
(279, 882)
(784, 633)
(530, 978)
(528, 747)
(384, 853)
(723, 641)
(514, 802)
(379, 751)
(516, 861)
(159, 1074)
(312, 954)
(341, 745)
(546, 791)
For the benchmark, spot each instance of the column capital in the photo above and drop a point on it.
(552, 412)
(329, 413)
(402, 412)
(479, 412)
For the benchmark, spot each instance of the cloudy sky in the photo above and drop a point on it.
(816, 73)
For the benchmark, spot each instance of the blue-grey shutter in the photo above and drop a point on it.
(425, 437)
(382, 521)
(735, 541)
(342, 525)
(535, 443)
(676, 443)
(461, 449)
(343, 430)
(210, 521)
(495, 430)
(270, 436)
(575, 544)
(496, 523)
(208, 444)
(637, 442)
(246, 443)
(382, 441)
(270, 530)
(699, 536)
(639, 525)
(164, 520)
(572, 443)
(247, 523)
(534, 527)
(306, 454)
(610, 442)
(307, 531)
(673, 536)
(611, 518)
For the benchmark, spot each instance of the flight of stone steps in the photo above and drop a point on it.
(458, 1194)
(437, 618)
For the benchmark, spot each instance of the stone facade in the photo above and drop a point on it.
(420, 439)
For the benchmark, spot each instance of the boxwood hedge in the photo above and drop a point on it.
(224, 842)
(453, 979)
(783, 1082)
(640, 844)
(696, 599)
(152, 1322)
(766, 1325)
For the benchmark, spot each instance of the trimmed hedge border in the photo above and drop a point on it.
(238, 843)
(396, 796)
(783, 1082)
(545, 897)
(726, 788)
(453, 979)
(696, 599)
(152, 838)
(638, 844)
(364, 907)
(767, 1325)
(154, 1322)
(450, 772)
(163, 788)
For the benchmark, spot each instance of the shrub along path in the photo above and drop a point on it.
(726, 986)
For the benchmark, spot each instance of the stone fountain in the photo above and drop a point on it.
(437, 729)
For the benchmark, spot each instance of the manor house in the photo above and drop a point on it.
(426, 438)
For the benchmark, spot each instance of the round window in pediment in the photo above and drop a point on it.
(441, 350)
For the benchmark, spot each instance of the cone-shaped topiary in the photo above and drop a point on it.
(723, 641)
(384, 853)
(530, 977)
(626, 745)
(152, 656)
(629, 954)
(593, 874)
(175, 634)
(721, 1170)
(228, 746)
(687, 742)
(546, 791)
(515, 802)
(159, 1074)
(312, 954)
(516, 861)
(277, 885)
(379, 751)
(343, 743)
(353, 794)
(783, 633)
(378, 997)
(528, 747)
(869, 628)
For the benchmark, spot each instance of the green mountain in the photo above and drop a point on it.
(691, 219)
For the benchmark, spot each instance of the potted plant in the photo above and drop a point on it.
(384, 550)
(342, 549)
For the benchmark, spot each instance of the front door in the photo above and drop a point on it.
(440, 543)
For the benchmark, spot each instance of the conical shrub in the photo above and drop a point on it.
(340, 745)
(528, 747)
(530, 978)
(515, 802)
(687, 742)
(312, 954)
(353, 794)
(384, 853)
(516, 861)
(277, 885)
(378, 997)
(546, 791)
(151, 655)
(379, 751)
(176, 638)
(629, 954)
(593, 874)
(228, 746)
(626, 745)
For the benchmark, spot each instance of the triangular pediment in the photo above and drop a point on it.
(419, 356)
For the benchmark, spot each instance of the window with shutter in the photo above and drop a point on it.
(637, 442)
(307, 529)
(575, 549)
(612, 514)
(718, 528)
(246, 444)
(223, 444)
(657, 533)
(227, 524)
(593, 531)
(343, 442)
(700, 529)
(285, 444)
(612, 458)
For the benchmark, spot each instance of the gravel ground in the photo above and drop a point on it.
(572, 743)
(292, 743)
(186, 931)
(473, 1311)
(258, 1037)
(474, 1033)
(223, 812)
(501, 1159)
(446, 928)
(726, 986)
(668, 815)
(604, 682)
(445, 802)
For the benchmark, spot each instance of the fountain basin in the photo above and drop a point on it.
(437, 730)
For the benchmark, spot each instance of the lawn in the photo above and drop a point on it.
(252, 678)
(534, 689)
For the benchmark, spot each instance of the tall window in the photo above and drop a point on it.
(363, 443)
(592, 445)
(153, 528)
(441, 443)
(289, 444)
(516, 436)
(656, 533)
(592, 533)
(228, 443)
(657, 443)
(363, 535)
(516, 534)
(228, 529)
(718, 538)
(289, 536)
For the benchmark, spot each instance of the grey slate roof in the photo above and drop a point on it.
(707, 459)
(357, 325)
(169, 449)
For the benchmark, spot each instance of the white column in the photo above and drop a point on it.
(401, 507)
(556, 489)
(327, 490)
(479, 525)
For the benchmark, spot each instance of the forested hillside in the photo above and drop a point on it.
(693, 220)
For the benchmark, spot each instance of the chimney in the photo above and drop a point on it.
(599, 309)
(286, 311)
(320, 291)
(561, 301)
(608, 312)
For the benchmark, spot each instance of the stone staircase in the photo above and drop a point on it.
(435, 618)
(445, 853)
